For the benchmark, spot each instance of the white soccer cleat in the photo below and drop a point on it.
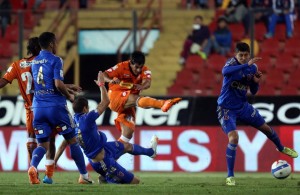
(230, 181)
(153, 142)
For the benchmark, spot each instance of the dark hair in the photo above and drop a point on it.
(198, 17)
(222, 18)
(33, 46)
(79, 103)
(243, 47)
(45, 39)
(137, 57)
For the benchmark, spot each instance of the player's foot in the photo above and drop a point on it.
(101, 179)
(169, 103)
(82, 180)
(47, 180)
(154, 141)
(290, 152)
(33, 175)
(230, 181)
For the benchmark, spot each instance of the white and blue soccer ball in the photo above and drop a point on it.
(281, 169)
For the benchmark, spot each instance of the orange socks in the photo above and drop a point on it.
(148, 102)
(49, 170)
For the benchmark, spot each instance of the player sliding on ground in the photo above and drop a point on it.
(240, 74)
(126, 80)
(102, 154)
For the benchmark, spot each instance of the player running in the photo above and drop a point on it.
(49, 107)
(126, 80)
(102, 155)
(240, 74)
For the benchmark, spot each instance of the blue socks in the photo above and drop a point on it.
(230, 158)
(77, 156)
(37, 155)
(275, 139)
(139, 150)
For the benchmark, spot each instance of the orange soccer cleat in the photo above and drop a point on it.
(83, 180)
(169, 103)
(33, 175)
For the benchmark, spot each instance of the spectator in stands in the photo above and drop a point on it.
(5, 8)
(36, 5)
(196, 41)
(221, 38)
(282, 11)
(236, 11)
(261, 15)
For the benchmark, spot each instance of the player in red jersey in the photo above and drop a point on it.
(126, 80)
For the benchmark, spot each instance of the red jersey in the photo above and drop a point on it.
(21, 70)
(123, 72)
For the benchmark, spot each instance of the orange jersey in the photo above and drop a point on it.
(123, 72)
(21, 70)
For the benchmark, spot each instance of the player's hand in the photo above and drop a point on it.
(257, 76)
(115, 80)
(138, 87)
(253, 60)
(75, 88)
(71, 98)
(100, 78)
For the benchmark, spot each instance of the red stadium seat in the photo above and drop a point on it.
(216, 62)
(5, 49)
(12, 33)
(292, 46)
(29, 20)
(285, 64)
(194, 63)
(237, 31)
(270, 45)
(260, 31)
(290, 90)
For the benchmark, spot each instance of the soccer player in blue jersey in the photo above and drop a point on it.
(102, 155)
(50, 107)
(240, 74)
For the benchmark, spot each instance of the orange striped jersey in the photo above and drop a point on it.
(21, 70)
(123, 72)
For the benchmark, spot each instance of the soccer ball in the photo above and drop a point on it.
(281, 169)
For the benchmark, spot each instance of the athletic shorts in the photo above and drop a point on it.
(48, 118)
(247, 114)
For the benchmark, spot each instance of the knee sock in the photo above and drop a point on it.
(275, 139)
(77, 155)
(37, 156)
(230, 158)
(139, 150)
(49, 168)
(148, 102)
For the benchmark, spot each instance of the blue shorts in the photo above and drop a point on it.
(247, 114)
(48, 118)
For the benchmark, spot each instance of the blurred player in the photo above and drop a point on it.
(102, 154)
(21, 70)
(126, 80)
(50, 109)
(240, 74)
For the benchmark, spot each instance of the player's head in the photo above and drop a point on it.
(48, 41)
(33, 46)
(137, 61)
(80, 105)
(242, 52)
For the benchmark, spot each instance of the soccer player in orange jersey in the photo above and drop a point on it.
(126, 80)
(21, 70)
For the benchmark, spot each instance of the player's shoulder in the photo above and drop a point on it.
(231, 62)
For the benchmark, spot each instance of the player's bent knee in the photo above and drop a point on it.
(233, 137)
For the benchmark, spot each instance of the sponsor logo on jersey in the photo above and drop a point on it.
(25, 64)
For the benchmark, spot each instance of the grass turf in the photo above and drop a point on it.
(155, 183)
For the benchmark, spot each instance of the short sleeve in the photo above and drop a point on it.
(146, 73)
(92, 116)
(58, 69)
(114, 71)
(11, 73)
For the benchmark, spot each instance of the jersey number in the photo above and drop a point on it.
(40, 77)
(27, 76)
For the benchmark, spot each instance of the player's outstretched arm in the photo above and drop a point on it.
(73, 89)
(104, 97)
(3, 82)
(60, 150)
(107, 79)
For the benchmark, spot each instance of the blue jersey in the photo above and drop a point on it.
(90, 139)
(238, 78)
(45, 68)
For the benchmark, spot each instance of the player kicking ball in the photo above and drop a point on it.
(240, 74)
(102, 154)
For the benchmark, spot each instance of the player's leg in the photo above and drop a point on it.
(252, 117)
(31, 140)
(148, 102)
(227, 120)
(49, 165)
(136, 149)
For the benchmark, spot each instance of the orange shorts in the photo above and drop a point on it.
(29, 120)
(118, 100)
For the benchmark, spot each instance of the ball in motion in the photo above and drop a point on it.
(281, 169)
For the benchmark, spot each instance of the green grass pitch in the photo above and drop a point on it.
(155, 183)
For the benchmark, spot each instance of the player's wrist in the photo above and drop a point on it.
(100, 84)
